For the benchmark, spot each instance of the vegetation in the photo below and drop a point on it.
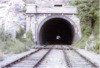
(10, 45)
(82, 42)
(89, 16)
(20, 31)
(29, 35)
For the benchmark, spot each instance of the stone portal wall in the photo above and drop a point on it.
(35, 16)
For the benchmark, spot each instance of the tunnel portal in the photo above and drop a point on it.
(56, 31)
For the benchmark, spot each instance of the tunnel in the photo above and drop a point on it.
(56, 31)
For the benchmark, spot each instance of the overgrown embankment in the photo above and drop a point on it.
(15, 45)
(89, 14)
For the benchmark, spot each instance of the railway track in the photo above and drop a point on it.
(42, 56)
(75, 60)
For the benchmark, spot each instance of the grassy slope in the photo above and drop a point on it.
(15, 46)
(84, 8)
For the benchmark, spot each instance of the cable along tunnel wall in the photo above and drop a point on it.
(56, 30)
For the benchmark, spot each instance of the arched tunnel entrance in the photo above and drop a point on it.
(56, 31)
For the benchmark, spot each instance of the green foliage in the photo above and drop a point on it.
(4, 35)
(29, 35)
(20, 31)
(97, 48)
(27, 42)
(10, 45)
(15, 46)
(82, 42)
(89, 12)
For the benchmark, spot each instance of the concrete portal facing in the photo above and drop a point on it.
(56, 25)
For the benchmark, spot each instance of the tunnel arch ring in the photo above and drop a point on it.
(51, 17)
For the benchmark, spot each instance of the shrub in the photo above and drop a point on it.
(20, 32)
(82, 42)
(10, 45)
(15, 46)
(29, 35)
(4, 35)
(97, 47)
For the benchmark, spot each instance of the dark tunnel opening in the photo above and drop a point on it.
(56, 31)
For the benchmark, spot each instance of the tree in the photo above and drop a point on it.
(88, 14)
(29, 35)
(20, 32)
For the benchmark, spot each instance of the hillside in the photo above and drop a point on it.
(89, 14)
